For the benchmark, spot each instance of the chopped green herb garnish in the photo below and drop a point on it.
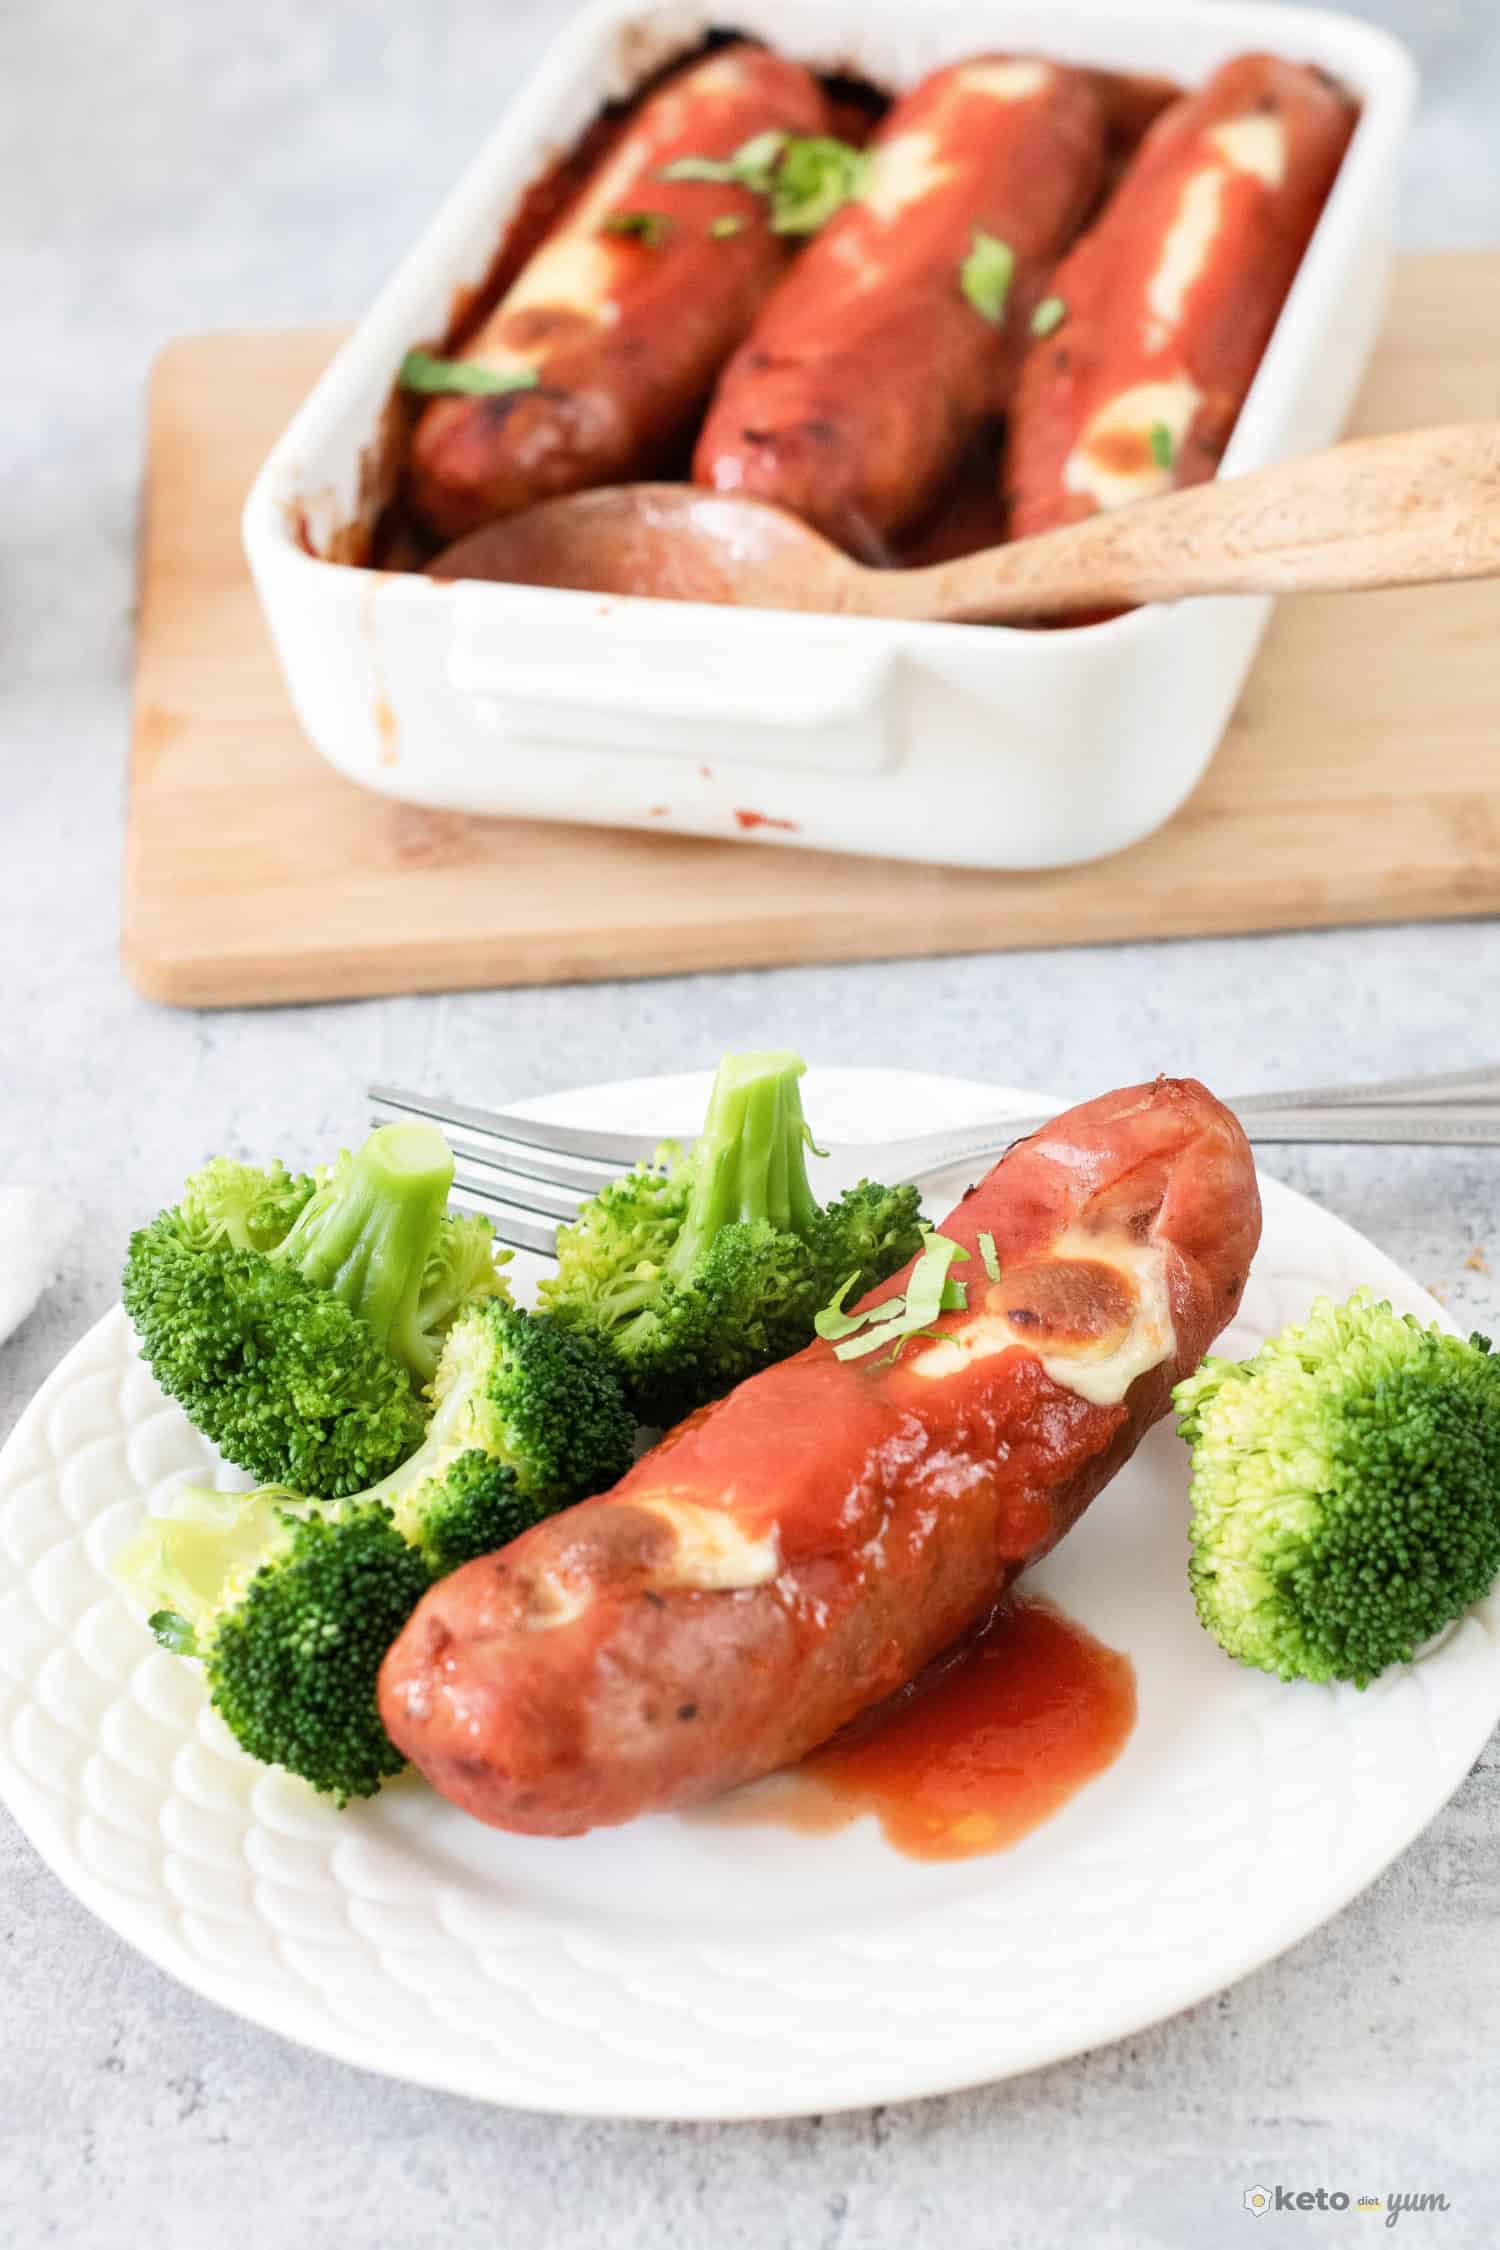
(720, 170)
(990, 1256)
(756, 159)
(728, 222)
(912, 1336)
(173, 1632)
(650, 227)
(750, 166)
(858, 1347)
(986, 274)
(1159, 438)
(815, 178)
(424, 371)
(929, 1292)
(834, 1321)
(929, 1278)
(1049, 314)
(805, 177)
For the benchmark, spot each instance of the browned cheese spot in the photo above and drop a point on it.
(1065, 1303)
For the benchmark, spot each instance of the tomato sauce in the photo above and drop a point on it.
(990, 1742)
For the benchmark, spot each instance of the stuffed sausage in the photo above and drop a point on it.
(1164, 308)
(625, 330)
(870, 367)
(792, 1554)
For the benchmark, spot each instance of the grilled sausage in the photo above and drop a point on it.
(624, 331)
(1169, 301)
(789, 1556)
(868, 370)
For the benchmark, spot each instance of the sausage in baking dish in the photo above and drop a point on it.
(869, 367)
(624, 330)
(1166, 305)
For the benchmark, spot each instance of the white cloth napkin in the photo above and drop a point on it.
(33, 1235)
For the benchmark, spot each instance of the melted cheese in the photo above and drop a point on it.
(713, 1554)
(1003, 81)
(576, 272)
(854, 256)
(1255, 144)
(573, 271)
(902, 170)
(1172, 403)
(550, 1603)
(1189, 240)
(1101, 1371)
(721, 74)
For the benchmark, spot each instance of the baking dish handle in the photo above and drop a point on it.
(678, 678)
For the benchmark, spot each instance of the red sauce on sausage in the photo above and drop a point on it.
(632, 1654)
(990, 1742)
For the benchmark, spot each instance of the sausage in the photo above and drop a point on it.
(868, 369)
(1170, 299)
(789, 1556)
(625, 332)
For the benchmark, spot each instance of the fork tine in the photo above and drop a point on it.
(537, 1164)
(622, 1149)
(508, 1224)
(515, 1195)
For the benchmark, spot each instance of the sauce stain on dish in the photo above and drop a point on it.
(387, 727)
(990, 1742)
(388, 731)
(748, 820)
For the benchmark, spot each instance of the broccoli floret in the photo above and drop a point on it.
(296, 1320)
(701, 1268)
(229, 1205)
(293, 1665)
(1345, 1490)
(460, 1270)
(292, 1603)
(527, 1417)
(291, 1608)
(377, 1235)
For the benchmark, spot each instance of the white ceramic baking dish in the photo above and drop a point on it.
(971, 745)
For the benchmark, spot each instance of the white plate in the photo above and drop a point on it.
(676, 1969)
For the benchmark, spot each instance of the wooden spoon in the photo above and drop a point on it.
(1407, 510)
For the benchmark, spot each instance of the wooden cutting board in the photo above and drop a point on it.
(1358, 782)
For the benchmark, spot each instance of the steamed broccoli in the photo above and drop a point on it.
(292, 1603)
(700, 1268)
(1345, 1490)
(527, 1417)
(291, 1606)
(296, 1319)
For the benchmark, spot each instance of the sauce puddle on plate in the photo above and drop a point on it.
(991, 1741)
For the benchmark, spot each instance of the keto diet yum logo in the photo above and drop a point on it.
(1260, 2200)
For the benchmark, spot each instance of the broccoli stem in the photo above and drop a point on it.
(748, 1160)
(368, 1232)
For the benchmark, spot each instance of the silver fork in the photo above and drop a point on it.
(529, 1174)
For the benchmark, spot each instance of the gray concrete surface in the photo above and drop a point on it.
(185, 165)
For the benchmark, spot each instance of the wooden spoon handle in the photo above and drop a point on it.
(1406, 510)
